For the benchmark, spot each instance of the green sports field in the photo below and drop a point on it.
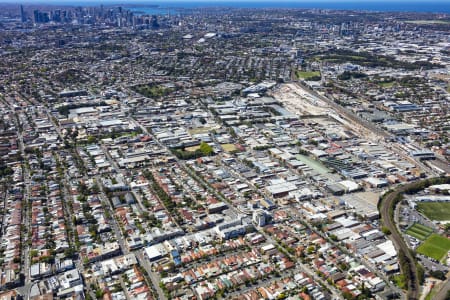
(437, 211)
(228, 147)
(435, 246)
(307, 75)
(419, 231)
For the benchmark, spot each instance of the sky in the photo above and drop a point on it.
(394, 5)
(62, 2)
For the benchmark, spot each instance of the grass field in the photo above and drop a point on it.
(192, 149)
(419, 231)
(435, 246)
(388, 84)
(307, 74)
(228, 147)
(199, 130)
(400, 281)
(437, 211)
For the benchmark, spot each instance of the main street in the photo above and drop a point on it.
(26, 214)
(144, 262)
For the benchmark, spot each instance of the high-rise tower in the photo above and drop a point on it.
(23, 17)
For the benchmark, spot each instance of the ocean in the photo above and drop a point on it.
(384, 6)
(172, 6)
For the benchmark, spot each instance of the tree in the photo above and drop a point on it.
(69, 252)
(206, 149)
(95, 188)
(99, 294)
(385, 230)
(91, 139)
(34, 253)
(347, 295)
(313, 142)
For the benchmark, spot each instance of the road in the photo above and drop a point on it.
(143, 262)
(26, 217)
(443, 292)
(261, 283)
(113, 222)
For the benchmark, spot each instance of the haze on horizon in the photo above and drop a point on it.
(208, 1)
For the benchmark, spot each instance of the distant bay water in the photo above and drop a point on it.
(382, 6)
(159, 7)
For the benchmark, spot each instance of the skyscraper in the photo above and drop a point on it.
(23, 17)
